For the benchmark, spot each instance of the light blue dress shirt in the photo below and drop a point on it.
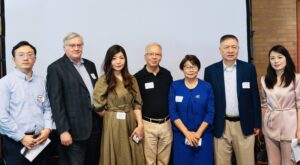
(24, 105)
(85, 76)
(232, 103)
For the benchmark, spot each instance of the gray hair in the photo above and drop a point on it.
(71, 36)
(153, 44)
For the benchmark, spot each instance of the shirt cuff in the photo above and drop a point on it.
(48, 124)
(18, 136)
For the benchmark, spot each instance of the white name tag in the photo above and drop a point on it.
(93, 76)
(179, 99)
(149, 85)
(121, 115)
(246, 85)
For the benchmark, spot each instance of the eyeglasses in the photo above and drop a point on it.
(22, 55)
(191, 67)
(73, 46)
(153, 54)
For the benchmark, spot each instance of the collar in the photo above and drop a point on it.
(146, 72)
(23, 76)
(229, 69)
(81, 62)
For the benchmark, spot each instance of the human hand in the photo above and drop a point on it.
(28, 141)
(298, 135)
(139, 132)
(101, 114)
(192, 139)
(66, 138)
(256, 131)
(196, 139)
(44, 134)
(198, 134)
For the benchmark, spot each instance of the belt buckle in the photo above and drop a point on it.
(161, 121)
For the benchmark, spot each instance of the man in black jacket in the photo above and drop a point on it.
(70, 83)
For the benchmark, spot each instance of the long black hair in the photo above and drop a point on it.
(288, 75)
(109, 71)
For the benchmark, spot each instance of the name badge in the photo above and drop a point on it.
(121, 115)
(93, 76)
(149, 85)
(246, 85)
(178, 99)
(40, 98)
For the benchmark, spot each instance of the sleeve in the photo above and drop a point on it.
(297, 90)
(209, 118)
(172, 105)
(255, 98)
(171, 77)
(264, 105)
(7, 124)
(100, 95)
(56, 98)
(207, 75)
(138, 99)
(47, 111)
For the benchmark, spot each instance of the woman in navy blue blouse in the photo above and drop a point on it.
(191, 105)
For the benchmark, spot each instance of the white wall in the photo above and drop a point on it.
(180, 26)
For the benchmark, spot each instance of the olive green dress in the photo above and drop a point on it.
(117, 148)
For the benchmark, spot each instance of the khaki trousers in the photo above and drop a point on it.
(234, 140)
(157, 142)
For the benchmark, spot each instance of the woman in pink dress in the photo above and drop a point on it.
(280, 104)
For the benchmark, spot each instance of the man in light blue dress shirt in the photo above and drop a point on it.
(24, 110)
(237, 105)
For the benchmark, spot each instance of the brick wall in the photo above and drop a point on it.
(274, 22)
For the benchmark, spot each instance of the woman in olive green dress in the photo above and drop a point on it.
(117, 98)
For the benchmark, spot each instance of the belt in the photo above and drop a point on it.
(34, 134)
(232, 118)
(159, 121)
(29, 133)
(270, 116)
